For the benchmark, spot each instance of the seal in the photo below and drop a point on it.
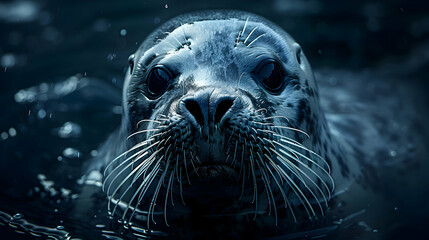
(221, 116)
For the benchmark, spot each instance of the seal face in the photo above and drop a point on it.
(221, 112)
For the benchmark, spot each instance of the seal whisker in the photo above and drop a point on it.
(155, 195)
(289, 128)
(185, 165)
(244, 28)
(247, 38)
(268, 188)
(142, 131)
(255, 186)
(142, 153)
(273, 117)
(193, 165)
(254, 40)
(134, 158)
(275, 180)
(141, 191)
(238, 82)
(181, 187)
(124, 193)
(297, 144)
(311, 181)
(287, 203)
(147, 120)
(125, 153)
(330, 190)
(288, 164)
(235, 154)
(146, 164)
(291, 167)
(172, 35)
(307, 158)
(261, 109)
(170, 181)
(294, 187)
(242, 167)
(183, 31)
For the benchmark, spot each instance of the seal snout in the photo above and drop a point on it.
(209, 107)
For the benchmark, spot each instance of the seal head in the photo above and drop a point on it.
(221, 112)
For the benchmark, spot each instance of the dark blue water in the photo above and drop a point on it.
(62, 66)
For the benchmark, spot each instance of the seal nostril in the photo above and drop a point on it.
(195, 109)
(222, 108)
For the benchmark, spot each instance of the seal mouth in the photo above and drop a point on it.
(212, 171)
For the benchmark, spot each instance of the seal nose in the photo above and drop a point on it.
(207, 107)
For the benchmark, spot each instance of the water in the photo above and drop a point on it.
(62, 66)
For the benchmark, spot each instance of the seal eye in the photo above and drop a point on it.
(157, 81)
(271, 75)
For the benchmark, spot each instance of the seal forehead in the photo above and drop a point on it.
(218, 47)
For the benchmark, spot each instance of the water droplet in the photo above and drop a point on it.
(166, 5)
(71, 153)
(69, 129)
(375, 230)
(8, 60)
(396, 208)
(55, 210)
(65, 192)
(94, 153)
(60, 227)
(12, 132)
(123, 32)
(4, 135)
(393, 153)
(111, 56)
(17, 216)
(41, 114)
(60, 158)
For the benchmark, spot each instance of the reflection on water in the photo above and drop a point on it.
(62, 67)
